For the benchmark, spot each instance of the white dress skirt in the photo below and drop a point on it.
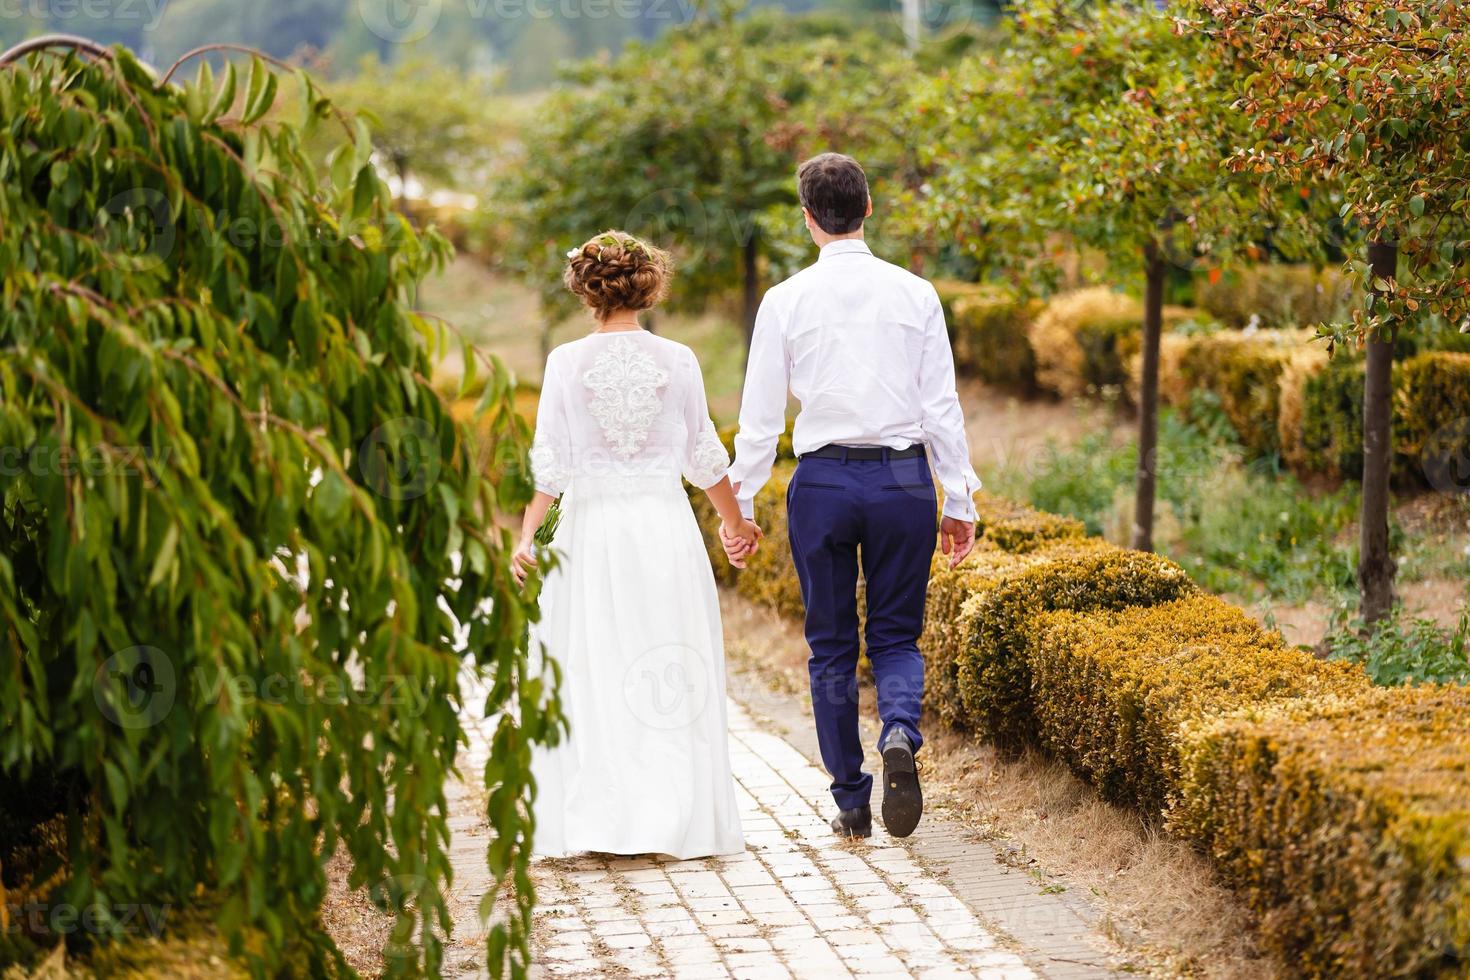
(630, 612)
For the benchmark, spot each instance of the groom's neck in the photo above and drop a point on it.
(822, 238)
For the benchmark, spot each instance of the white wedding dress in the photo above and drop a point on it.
(629, 610)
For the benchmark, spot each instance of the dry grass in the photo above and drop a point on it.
(1159, 899)
(360, 929)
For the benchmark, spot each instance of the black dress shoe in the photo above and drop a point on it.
(903, 802)
(857, 822)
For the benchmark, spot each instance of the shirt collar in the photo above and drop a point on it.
(843, 246)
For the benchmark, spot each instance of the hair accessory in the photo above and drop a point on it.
(572, 252)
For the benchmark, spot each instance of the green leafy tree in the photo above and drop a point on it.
(1104, 126)
(246, 553)
(440, 125)
(1368, 99)
(688, 141)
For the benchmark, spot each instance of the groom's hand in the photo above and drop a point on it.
(956, 539)
(738, 548)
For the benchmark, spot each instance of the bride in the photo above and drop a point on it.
(629, 608)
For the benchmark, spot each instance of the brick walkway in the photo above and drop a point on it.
(798, 903)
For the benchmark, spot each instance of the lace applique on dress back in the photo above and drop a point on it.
(624, 381)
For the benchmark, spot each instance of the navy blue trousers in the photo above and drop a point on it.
(880, 514)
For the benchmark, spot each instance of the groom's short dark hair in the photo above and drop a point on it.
(834, 189)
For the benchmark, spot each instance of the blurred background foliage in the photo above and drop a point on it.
(521, 41)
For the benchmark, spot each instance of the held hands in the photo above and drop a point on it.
(956, 539)
(740, 540)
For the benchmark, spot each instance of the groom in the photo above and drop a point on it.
(862, 345)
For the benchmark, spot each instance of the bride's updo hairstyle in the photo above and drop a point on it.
(615, 271)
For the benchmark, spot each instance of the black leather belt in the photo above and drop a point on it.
(867, 453)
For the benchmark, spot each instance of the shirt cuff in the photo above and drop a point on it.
(961, 509)
(747, 508)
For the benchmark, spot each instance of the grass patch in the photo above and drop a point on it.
(1248, 529)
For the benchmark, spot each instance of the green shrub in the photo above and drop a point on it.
(1244, 373)
(1435, 335)
(990, 340)
(1400, 650)
(1277, 295)
(951, 291)
(1112, 690)
(1432, 418)
(1321, 425)
(1345, 824)
(784, 449)
(992, 675)
(769, 577)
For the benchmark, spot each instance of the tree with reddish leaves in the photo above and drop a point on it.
(1105, 126)
(1371, 99)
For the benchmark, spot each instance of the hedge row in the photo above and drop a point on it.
(1340, 810)
(1274, 295)
(1283, 395)
(1346, 823)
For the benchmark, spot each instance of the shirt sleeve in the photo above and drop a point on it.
(705, 459)
(551, 448)
(762, 407)
(943, 420)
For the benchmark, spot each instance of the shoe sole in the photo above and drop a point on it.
(903, 801)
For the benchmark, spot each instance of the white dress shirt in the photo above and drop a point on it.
(862, 345)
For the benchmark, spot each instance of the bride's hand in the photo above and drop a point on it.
(740, 540)
(523, 560)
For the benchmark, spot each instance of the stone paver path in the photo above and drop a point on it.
(798, 903)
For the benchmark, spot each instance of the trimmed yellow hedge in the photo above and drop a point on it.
(1086, 340)
(1113, 690)
(990, 342)
(1017, 528)
(987, 672)
(1345, 823)
(948, 629)
(1277, 295)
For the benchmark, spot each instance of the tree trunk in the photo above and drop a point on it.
(1375, 564)
(749, 255)
(1148, 400)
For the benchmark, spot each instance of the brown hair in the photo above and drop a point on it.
(834, 189)
(615, 271)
